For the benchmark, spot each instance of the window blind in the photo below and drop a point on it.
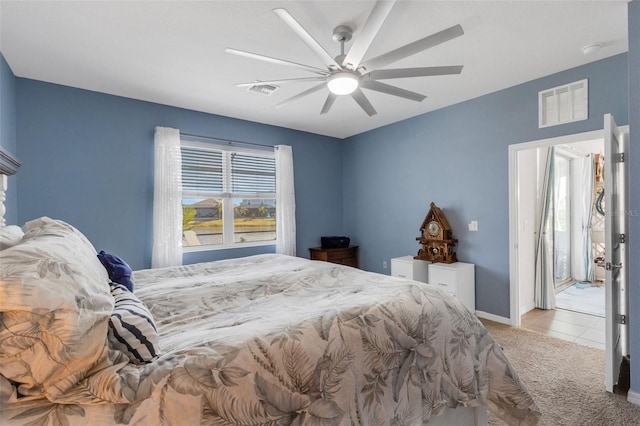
(201, 170)
(252, 174)
(211, 171)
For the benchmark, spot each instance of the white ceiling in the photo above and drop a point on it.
(172, 52)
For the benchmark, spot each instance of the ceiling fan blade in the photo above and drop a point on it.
(413, 48)
(302, 94)
(364, 103)
(328, 103)
(414, 72)
(285, 81)
(366, 35)
(392, 90)
(275, 60)
(307, 38)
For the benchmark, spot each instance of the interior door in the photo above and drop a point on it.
(615, 178)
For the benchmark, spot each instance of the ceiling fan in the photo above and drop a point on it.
(346, 74)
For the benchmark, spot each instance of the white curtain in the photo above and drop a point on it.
(582, 187)
(167, 199)
(285, 202)
(545, 297)
(588, 177)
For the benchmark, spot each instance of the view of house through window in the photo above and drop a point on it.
(228, 196)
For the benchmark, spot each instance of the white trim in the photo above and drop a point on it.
(220, 146)
(214, 247)
(633, 397)
(8, 167)
(514, 288)
(530, 307)
(492, 317)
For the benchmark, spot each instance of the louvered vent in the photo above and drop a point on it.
(563, 104)
(263, 89)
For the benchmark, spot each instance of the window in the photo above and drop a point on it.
(563, 104)
(228, 196)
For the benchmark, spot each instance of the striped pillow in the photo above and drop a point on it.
(131, 328)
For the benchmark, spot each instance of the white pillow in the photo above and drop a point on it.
(10, 236)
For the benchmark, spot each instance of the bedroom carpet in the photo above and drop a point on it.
(565, 379)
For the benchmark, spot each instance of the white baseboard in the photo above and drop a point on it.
(492, 317)
(524, 309)
(633, 397)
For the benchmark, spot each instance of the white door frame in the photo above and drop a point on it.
(514, 287)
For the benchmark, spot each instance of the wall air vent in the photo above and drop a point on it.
(563, 104)
(263, 89)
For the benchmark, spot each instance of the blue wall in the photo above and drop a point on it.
(634, 192)
(88, 159)
(457, 157)
(8, 134)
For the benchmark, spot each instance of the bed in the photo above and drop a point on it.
(261, 340)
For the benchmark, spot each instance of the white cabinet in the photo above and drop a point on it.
(457, 279)
(410, 268)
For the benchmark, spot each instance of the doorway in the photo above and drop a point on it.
(616, 276)
(577, 217)
(584, 291)
(526, 166)
(579, 304)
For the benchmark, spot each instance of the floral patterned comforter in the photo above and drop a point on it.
(271, 339)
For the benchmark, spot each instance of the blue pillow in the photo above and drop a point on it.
(118, 270)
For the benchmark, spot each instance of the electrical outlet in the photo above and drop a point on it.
(384, 264)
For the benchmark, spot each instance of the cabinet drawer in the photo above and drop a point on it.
(410, 268)
(339, 255)
(457, 279)
(344, 256)
(347, 261)
(401, 269)
(444, 279)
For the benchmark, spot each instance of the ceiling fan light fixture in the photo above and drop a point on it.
(343, 83)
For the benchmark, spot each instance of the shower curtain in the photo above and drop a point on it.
(583, 183)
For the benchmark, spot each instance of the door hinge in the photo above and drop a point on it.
(609, 266)
(622, 238)
(622, 319)
(619, 157)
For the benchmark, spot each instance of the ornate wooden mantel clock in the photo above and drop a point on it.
(437, 240)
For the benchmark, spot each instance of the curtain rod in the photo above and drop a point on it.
(229, 141)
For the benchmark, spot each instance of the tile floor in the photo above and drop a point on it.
(582, 297)
(575, 327)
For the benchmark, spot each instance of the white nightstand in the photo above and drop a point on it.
(457, 279)
(410, 268)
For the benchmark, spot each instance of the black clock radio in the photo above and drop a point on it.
(334, 242)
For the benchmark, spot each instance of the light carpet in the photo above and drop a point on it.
(565, 379)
